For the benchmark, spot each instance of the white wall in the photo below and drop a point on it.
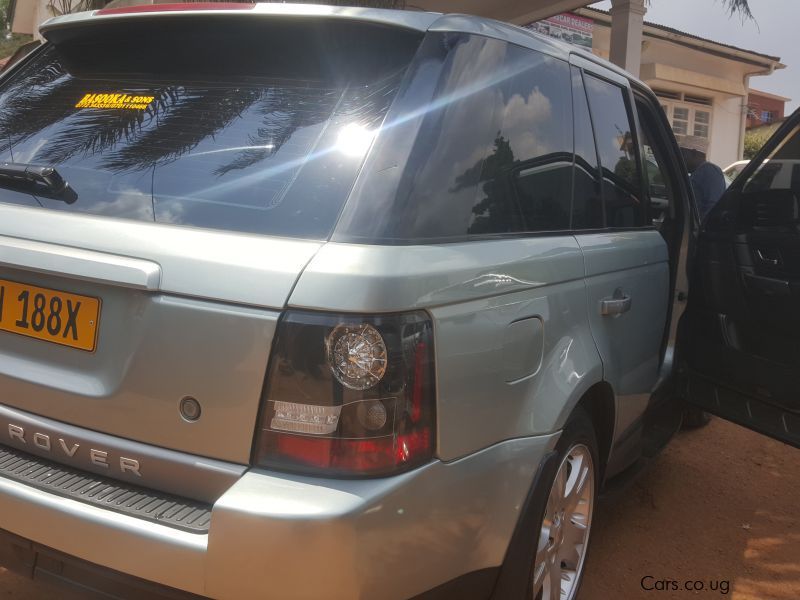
(29, 14)
(699, 73)
(725, 132)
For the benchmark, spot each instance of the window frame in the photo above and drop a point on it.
(579, 87)
(634, 122)
(669, 168)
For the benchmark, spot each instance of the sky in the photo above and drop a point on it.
(774, 32)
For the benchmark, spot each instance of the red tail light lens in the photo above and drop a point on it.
(348, 395)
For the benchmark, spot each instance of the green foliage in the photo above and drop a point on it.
(9, 46)
(754, 140)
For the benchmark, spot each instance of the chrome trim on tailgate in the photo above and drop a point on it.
(139, 464)
(231, 267)
(79, 264)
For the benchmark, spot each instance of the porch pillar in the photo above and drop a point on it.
(627, 24)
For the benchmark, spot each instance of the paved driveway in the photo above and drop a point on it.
(719, 507)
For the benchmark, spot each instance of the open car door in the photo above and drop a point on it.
(740, 335)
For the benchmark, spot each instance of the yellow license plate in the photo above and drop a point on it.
(49, 315)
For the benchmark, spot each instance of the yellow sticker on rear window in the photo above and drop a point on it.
(115, 101)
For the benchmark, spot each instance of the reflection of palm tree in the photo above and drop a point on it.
(286, 109)
(27, 105)
(186, 119)
(490, 215)
(175, 122)
(93, 131)
(282, 111)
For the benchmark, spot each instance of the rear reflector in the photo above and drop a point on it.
(177, 7)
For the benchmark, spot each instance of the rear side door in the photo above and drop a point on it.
(626, 259)
(740, 335)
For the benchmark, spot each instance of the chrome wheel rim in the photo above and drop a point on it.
(564, 537)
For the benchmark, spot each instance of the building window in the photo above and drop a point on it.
(689, 115)
(680, 120)
(767, 116)
(702, 120)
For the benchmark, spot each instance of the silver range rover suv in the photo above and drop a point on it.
(301, 302)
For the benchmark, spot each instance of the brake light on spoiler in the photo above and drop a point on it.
(177, 7)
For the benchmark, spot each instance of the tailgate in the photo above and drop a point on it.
(171, 325)
(164, 173)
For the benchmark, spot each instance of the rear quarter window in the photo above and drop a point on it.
(491, 151)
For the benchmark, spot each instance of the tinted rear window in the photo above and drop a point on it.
(264, 135)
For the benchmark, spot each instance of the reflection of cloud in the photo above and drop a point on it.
(173, 213)
(525, 119)
(129, 203)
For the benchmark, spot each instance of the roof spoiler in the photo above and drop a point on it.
(64, 27)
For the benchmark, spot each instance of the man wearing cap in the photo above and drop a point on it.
(708, 182)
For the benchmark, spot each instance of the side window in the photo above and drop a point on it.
(529, 164)
(657, 177)
(483, 148)
(770, 197)
(616, 145)
(541, 177)
(587, 202)
(781, 171)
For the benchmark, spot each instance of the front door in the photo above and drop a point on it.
(740, 334)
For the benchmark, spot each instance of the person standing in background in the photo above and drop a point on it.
(708, 182)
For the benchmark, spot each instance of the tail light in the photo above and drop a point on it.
(348, 395)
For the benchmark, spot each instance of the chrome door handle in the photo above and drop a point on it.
(616, 305)
(767, 259)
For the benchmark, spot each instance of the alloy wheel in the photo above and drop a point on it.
(564, 535)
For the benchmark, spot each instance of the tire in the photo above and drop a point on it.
(564, 528)
(695, 418)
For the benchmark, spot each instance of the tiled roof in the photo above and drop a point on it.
(690, 35)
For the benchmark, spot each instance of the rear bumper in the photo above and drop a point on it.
(38, 562)
(288, 537)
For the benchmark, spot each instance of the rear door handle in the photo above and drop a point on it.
(616, 305)
(769, 260)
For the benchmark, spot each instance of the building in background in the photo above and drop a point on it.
(702, 84)
(764, 108)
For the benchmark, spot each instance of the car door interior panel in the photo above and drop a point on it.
(742, 326)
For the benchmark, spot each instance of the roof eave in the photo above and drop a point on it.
(764, 61)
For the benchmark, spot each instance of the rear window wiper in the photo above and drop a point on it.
(38, 180)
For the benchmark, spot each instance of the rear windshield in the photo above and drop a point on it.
(253, 131)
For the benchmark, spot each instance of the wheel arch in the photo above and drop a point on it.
(599, 403)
